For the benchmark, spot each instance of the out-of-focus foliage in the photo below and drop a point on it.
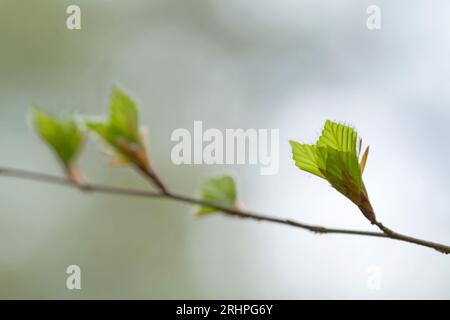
(221, 191)
(62, 135)
(121, 130)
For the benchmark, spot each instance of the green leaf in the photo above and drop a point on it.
(336, 164)
(62, 135)
(338, 136)
(339, 142)
(121, 130)
(123, 117)
(305, 157)
(220, 191)
(334, 158)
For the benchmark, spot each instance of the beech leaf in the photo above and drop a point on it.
(334, 158)
(63, 136)
(121, 130)
(220, 191)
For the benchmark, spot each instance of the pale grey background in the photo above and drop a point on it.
(286, 64)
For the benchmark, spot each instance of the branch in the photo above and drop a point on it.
(153, 177)
(164, 194)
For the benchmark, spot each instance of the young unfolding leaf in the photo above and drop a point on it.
(121, 131)
(63, 136)
(124, 118)
(220, 191)
(334, 158)
(305, 157)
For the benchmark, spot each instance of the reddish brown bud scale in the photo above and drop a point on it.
(366, 208)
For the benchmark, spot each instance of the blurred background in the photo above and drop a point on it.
(286, 64)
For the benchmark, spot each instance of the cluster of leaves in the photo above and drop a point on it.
(334, 157)
(120, 131)
(125, 137)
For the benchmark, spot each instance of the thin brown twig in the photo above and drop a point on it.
(164, 194)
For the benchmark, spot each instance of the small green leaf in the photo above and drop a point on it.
(62, 135)
(334, 158)
(123, 117)
(305, 157)
(220, 191)
(338, 136)
(121, 130)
